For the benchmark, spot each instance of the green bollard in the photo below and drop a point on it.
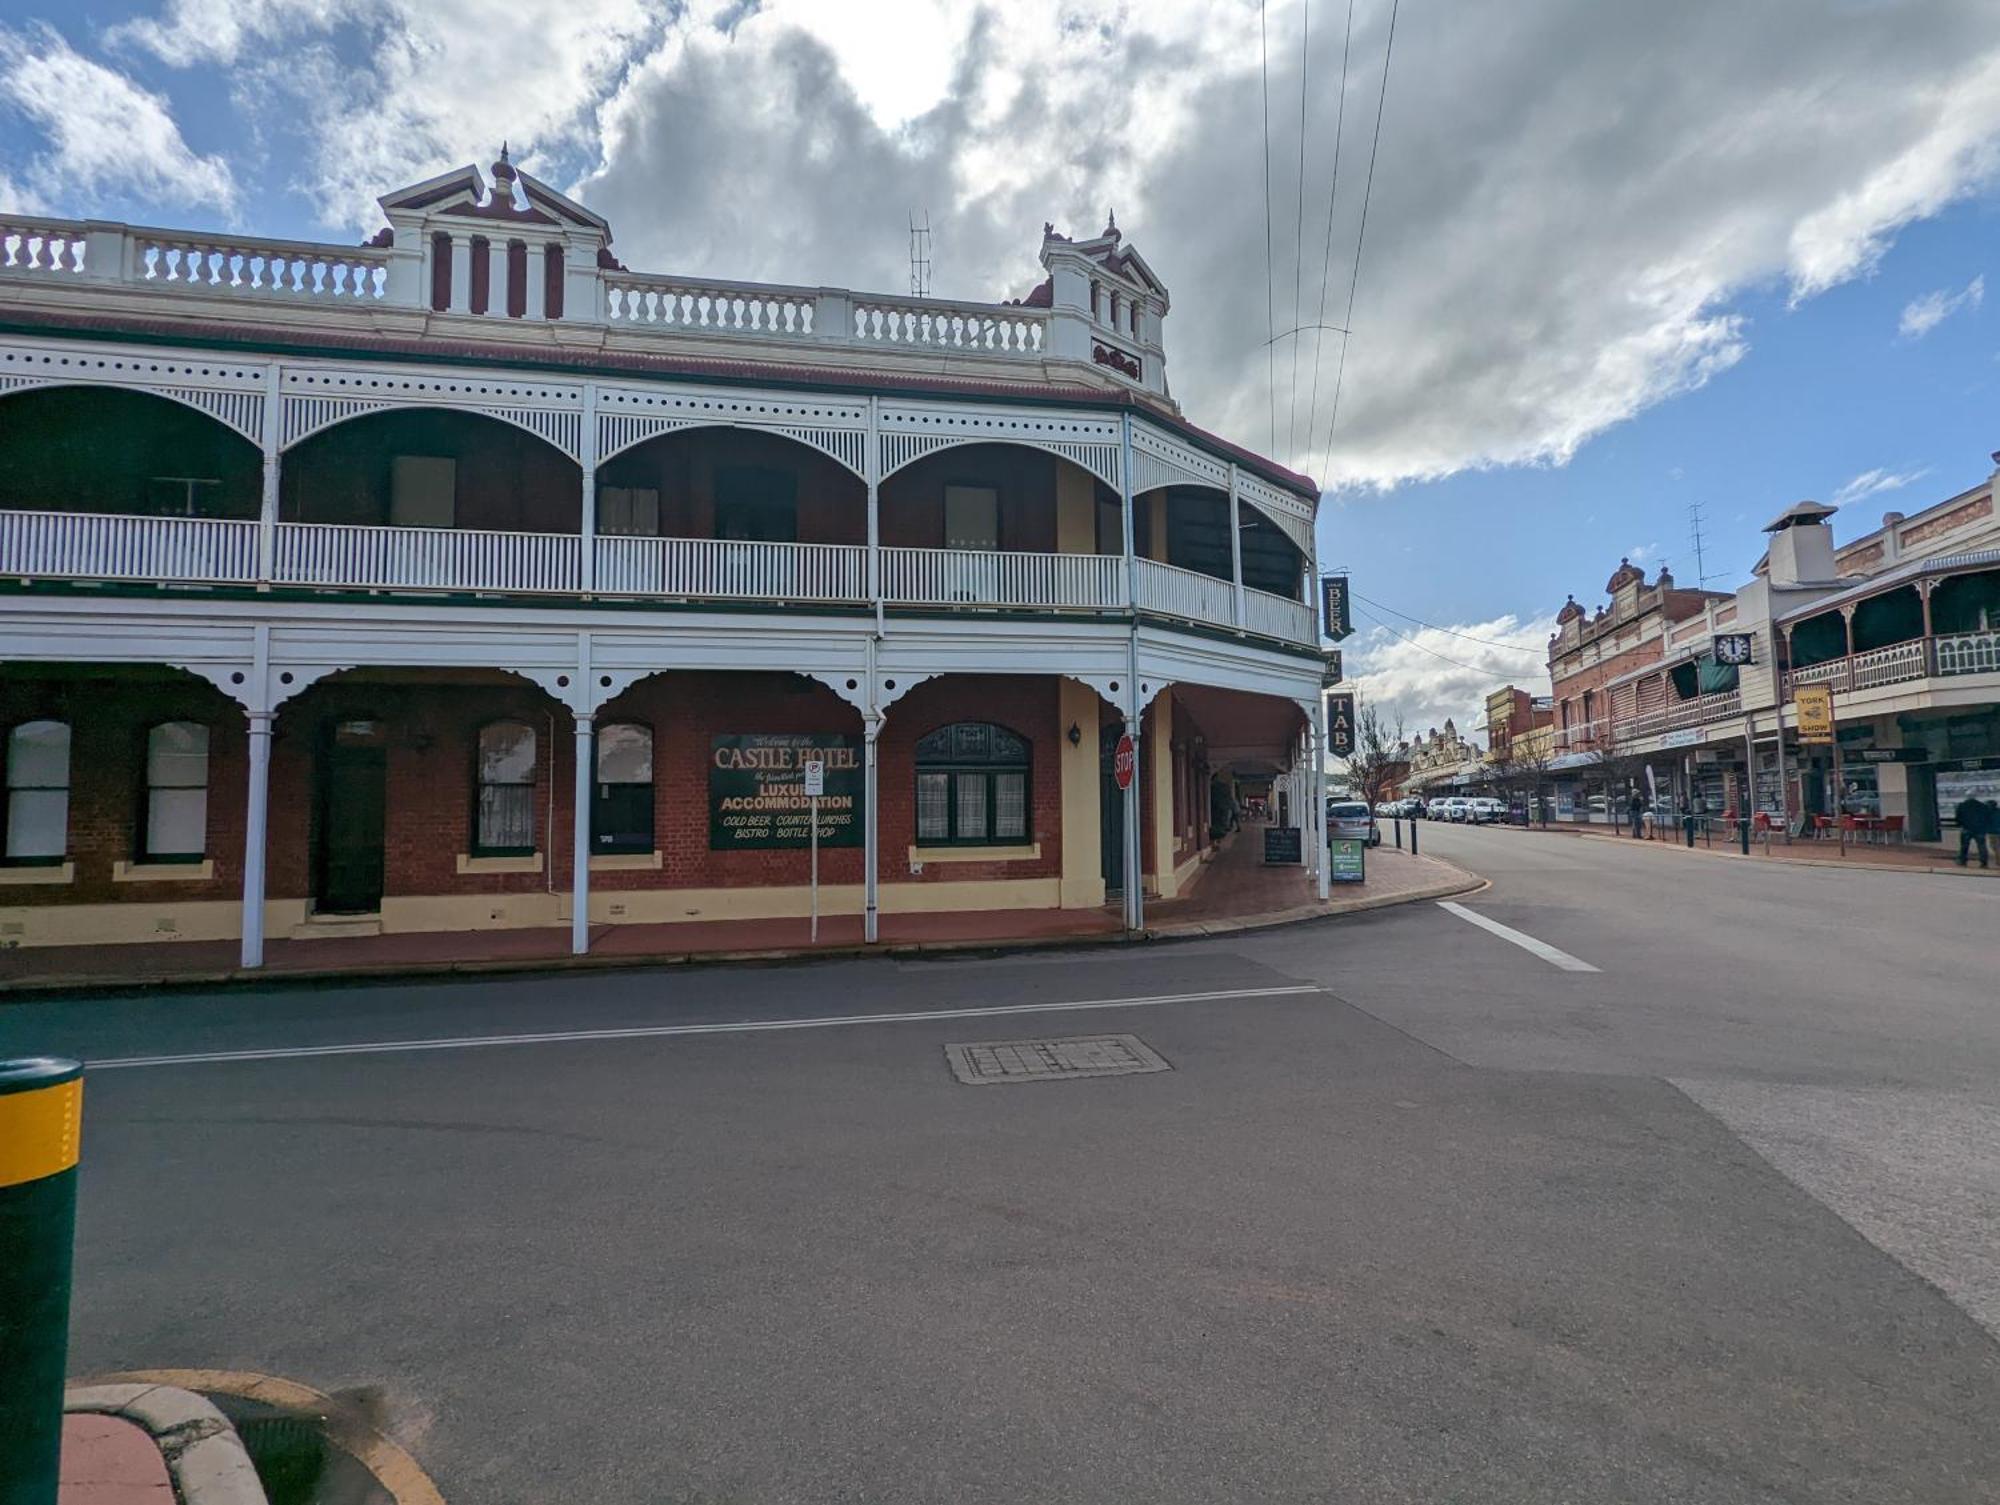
(41, 1102)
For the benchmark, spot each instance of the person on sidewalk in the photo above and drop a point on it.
(1636, 806)
(1974, 821)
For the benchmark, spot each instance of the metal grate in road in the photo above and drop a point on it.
(991, 1061)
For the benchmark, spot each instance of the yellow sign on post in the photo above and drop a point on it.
(1815, 707)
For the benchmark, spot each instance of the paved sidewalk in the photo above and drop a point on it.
(1902, 857)
(107, 1460)
(1234, 891)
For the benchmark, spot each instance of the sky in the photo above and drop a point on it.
(1600, 262)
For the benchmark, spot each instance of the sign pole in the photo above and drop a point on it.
(815, 786)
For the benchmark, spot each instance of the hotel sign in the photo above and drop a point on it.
(757, 798)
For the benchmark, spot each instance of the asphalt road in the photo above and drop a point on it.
(1714, 1222)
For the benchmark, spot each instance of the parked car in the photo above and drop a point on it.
(1485, 810)
(1350, 820)
(1451, 808)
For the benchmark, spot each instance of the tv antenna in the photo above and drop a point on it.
(920, 254)
(1701, 575)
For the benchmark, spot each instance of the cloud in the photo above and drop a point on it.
(1922, 315)
(105, 133)
(1874, 482)
(1567, 207)
(1639, 553)
(1424, 674)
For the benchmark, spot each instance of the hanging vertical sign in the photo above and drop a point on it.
(1815, 707)
(1332, 674)
(1340, 725)
(1333, 607)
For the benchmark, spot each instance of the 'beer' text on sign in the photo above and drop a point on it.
(1333, 607)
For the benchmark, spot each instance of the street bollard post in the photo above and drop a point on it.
(1687, 821)
(1413, 837)
(1743, 833)
(1398, 823)
(41, 1102)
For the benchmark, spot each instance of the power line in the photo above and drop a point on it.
(1361, 234)
(1455, 663)
(1270, 296)
(1299, 227)
(1326, 260)
(1448, 632)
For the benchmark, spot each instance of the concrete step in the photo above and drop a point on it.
(337, 927)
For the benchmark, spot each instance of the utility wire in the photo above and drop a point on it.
(1326, 260)
(1299, 229)
(1361, 235)
(1448, 632)
(1270, 296)
(1455, 663)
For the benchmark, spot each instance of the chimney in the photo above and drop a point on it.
(1892, 543)
(1802, 545)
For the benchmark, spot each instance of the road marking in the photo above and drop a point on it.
(1543, 949)
(670, 1031)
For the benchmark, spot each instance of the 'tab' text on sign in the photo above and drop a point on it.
(757, 795)
(1340, 725)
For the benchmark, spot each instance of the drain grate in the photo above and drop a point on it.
(993, 1061)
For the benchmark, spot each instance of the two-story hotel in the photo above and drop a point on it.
(468, 579)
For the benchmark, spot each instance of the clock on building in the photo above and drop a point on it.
(1732, 648)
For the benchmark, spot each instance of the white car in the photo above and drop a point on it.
(1349, 820)
(1484, 811)
(1452, 809)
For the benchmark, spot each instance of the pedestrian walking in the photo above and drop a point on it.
(1975, 819)
(1636, 805)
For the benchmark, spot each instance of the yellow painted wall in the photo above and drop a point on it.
(1076, 511)
(1082, 828)
(116, 924)
(1160, 757)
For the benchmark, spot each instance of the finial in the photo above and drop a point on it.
(1111, 223)
(503, 170)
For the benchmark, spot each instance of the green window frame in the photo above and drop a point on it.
(503, 803)
(974, 786)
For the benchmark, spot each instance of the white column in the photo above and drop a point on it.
(496, 278)
(461, 273)
(537, 281)
(873, 466)
(1134, 856)
(871, 836)
(1236, 550)
(587, 542)
(256, 823)
(1321, 858)
(579, 918)
(267, 510)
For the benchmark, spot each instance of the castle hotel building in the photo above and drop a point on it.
(467, 579)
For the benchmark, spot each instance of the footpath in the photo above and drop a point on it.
(1887, 857)
(1232, 891)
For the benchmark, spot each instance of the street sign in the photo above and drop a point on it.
(1815, 707)
(1123, 762)
(1340, 725)
(1732, 647)
(815, 772)
(1333, 607)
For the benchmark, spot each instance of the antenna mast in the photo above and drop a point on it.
(920, 254)
(1701, 575)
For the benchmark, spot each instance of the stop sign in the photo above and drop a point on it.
(1122, 761)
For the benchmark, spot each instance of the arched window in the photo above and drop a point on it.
(621, 812)
(503, 823)
(972, 786)
(174, 825)
(38, 793)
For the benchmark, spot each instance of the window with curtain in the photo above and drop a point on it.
(38, 792)
(504, 818)
(972, 786)
(621, 810)
(174, 825)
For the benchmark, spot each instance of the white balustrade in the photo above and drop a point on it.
(731, 570)
(1833, 671)
(1889, 666)
(732, 308)
(974, 577)
(249, 267)
(32, 246)
(1279, 617)
(426, 558)
(112, 546)
(926, 323)
(1969, 653)
(1175, 592)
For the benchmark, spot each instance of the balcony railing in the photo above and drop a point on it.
(968, 577)
(1969, 653)
(453, 559)
(1189, 594)
(109, 546)
(729, 570)
(163, 550)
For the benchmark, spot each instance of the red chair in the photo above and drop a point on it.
(1892, 827)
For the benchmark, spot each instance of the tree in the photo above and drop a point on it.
(1378, 759)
